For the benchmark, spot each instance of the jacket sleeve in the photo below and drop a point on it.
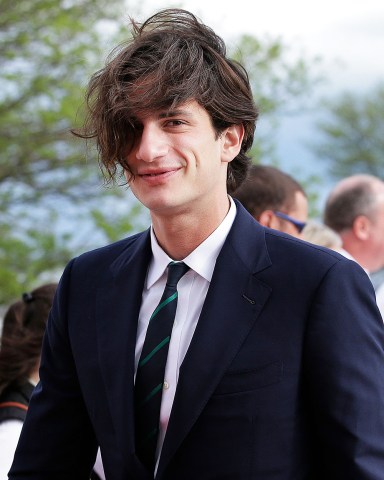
(344, 362)
(57, 440)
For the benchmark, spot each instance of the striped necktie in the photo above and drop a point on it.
(150, 370)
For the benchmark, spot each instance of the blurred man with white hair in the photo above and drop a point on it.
(355, 210)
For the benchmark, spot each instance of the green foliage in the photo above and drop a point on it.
(115, 225)
(353, 134)
(48, 49)
(24, 264)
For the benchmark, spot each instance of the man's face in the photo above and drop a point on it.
(177, 162)
(376, 237)
(298, 212)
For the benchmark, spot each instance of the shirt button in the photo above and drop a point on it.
(166, 385)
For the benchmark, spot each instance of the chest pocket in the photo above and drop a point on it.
(243, 381)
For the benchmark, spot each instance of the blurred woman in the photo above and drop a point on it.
(21, 339)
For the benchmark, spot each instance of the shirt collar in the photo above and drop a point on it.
(202, 260)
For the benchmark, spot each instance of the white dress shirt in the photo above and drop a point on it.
(192, 290)
(9, 436)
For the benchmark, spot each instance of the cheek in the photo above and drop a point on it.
(291, 229)
(380, 237)
(379, 230)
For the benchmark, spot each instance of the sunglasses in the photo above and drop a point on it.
(299, 225)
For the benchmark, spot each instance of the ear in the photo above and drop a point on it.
(267, 219)
(361, 227)
(232, 138)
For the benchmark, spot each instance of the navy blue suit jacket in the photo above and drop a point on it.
(283, 380)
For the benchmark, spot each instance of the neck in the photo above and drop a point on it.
(180, 234)
(34, 375)
(359, 251)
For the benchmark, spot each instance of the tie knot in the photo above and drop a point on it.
(175, 271)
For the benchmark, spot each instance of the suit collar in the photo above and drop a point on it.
(138, 247)
(247, 238)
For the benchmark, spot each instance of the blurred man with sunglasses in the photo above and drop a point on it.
(274, 199)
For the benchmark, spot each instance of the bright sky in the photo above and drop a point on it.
(347, 34)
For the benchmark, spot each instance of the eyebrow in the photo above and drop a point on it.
(175, 113)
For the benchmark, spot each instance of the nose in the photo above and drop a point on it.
(152, 143)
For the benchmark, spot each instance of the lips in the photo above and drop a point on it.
(153, 177)
(156, 173)
(153, 174)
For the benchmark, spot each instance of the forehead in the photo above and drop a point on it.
(153, 91)
(377, 190)
(379, 205)
(189, 109)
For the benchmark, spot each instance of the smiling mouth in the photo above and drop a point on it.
(159, 174)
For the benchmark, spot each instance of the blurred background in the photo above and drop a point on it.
(317, 75)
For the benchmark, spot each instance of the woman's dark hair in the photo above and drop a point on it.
(172, 58)
(22, 335)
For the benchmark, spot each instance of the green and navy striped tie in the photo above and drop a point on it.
(150, 370)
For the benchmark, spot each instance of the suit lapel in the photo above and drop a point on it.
(234, 300)
(118, 305)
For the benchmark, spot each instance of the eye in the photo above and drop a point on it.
(174, 123)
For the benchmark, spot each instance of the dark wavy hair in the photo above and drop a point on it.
(22, 335)
(171, 59)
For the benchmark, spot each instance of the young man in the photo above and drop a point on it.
(274, 199)
(274, 367)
